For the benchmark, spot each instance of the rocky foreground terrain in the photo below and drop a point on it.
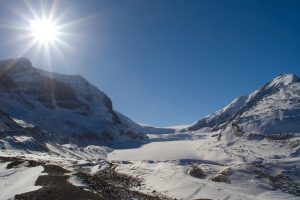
(56, 182)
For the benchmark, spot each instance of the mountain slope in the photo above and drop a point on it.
(67, 107)
(273, 109)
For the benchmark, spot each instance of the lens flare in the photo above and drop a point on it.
(44, 31)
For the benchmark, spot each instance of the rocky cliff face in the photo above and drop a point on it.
(65, 106)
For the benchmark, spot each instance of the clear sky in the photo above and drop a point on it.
(166, 62)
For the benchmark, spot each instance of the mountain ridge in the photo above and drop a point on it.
(285, 86)
(65, 106)
(76, 111)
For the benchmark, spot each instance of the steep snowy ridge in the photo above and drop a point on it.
(270, 110)
(65, 106)
(220, 116)
(283, 80)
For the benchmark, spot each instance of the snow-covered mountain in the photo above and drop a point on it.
(58, 123)
(59, 108)
(248, 150)
(273, 109)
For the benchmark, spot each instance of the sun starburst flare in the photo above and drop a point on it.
(42, 29)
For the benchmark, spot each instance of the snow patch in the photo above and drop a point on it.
(76, 182)
(18, 180)
(22, 123)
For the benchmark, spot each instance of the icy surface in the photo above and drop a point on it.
(175, 150)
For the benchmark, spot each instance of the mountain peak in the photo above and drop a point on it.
(283, 80)
(24, 61)
(16, 62)
(269, 102)
(15, 65)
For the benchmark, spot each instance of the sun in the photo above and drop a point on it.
(44, 31)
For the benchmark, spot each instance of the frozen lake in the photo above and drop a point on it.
(200, 149)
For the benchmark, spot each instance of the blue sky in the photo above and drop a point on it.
(168, 62)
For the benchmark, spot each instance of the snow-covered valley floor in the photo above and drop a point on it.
(228, 169)
(254, 169)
